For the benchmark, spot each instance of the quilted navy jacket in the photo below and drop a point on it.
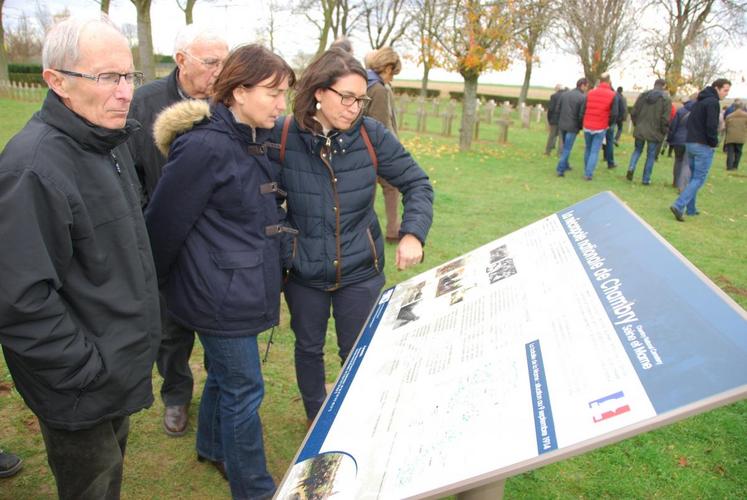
(331, 185)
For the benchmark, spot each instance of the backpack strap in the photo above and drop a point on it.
(369, 146)
(284, 137)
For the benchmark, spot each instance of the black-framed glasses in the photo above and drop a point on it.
(108, 79)
(348, 99)
(210, 62)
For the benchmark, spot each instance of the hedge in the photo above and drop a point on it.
(413, 92)
(25, 68)
(34, 78)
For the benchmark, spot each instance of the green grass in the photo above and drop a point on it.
(480, 196)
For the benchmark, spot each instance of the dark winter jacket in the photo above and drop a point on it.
(213, 222)
(622, 109)
(331, 183)
(571, 111)
(382, 102)
(651, 113)
(702, 127)
(79, 314)
(677, 135)
(553, 108)
(148, 101)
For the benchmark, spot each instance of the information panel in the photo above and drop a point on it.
(575, 331)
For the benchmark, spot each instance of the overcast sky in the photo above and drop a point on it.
(240, 22)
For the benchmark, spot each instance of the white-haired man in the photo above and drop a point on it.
(79, 315)
(199, 54)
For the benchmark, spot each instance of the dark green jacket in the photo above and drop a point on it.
(651, 114)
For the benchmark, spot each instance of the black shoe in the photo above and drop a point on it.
(561, 174)
(614, 165)
(218, 465)
(175, 420)
(617, 143)
(10, 464)
(629, 175)
(677, 214)
(587, 177)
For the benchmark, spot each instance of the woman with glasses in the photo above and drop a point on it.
(215, 226)
(329, 158)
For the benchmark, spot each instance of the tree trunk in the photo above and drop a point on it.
(469, 107)
(145, 39)
(105, 6)
(3, 54)
(673, 74)
(525, 85)
(188, 18)
(424, 81)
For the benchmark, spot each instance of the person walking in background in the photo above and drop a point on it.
(553, 114)
(622, 114)
(570, 121)
(736, 135)
(382, 65)
(329, 158)
(677, 137)
(79, 315)
(600, 111)
(650, 115)
(199, 54)
(216, 227)
(702, 139)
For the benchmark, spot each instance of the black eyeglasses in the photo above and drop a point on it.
(348, 99)
(110, 80)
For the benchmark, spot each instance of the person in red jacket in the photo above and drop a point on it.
(600, 112)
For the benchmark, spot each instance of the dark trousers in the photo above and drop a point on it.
(553, 135)
(87, 464)
(173, 360)
(309, 311)
(733, 155)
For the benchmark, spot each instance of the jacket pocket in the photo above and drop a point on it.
(374, 253)
(241, 285)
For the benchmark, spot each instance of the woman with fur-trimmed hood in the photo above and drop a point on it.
(216, 227)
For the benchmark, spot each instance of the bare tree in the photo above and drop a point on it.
(533, 20)
(145, 38)
(476, 38)
(333, 18)
(428, 17)
(187, 6)
(266, 32)
(104, 5)
(386, 21)
(3, 53)
(687, 21)
(702, 63)
(599, 32)
(23, 41)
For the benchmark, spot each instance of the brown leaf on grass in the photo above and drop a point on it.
(32, 424)
(682, 462)
(726, 285)
(5, 387)
(719, 470)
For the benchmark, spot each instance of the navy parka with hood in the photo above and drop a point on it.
(216, 264)
(331, 184)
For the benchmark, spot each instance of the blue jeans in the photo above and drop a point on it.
(229, 428)
(591, 153)
(609, 151)
(701, 158)
(653, 147)
(568, 139)
(309, 314)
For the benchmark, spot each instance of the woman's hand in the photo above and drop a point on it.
(409, 252)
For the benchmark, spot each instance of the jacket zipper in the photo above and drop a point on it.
(373, 248)
(326, 160)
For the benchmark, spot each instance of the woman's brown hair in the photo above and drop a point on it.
(322, 73)
(247, 66)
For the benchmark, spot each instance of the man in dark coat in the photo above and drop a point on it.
(622, 114)
(553, 114)
(651, 113)
(199, 56)
(702, 139)
(79, 317)
(570, 121)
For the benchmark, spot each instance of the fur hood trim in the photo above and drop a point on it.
(178, 119)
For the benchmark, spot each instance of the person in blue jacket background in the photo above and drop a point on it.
(329, 158)
(216, 225)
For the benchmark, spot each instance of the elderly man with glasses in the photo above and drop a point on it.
(79, 315)
(199, 54)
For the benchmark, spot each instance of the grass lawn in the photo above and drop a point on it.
(480, 196)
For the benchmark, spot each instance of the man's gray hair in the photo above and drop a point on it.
(61, 45)
(192, 33)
